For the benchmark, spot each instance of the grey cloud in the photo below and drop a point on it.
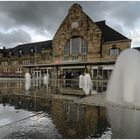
(126, 12)
(48, 15)
(14, 38)
(36, 15)
(42, 16)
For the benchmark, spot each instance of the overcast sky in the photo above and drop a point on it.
(26, 22)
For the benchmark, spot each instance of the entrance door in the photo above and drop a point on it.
(37, 73)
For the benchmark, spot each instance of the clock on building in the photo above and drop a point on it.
(74, 25)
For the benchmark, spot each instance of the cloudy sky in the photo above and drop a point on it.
(33, 21)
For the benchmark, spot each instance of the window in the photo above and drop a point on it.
(83, 47)
(114, 52)
(94, 73)
(67, 48)
(31, 51)
(26, 61)
(14, 62)
(19, 71)
(4, 63)
(100, 72)
(105, 74)
(74, 46)
(20, 52)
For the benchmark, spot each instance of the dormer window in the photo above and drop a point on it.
(11, 53)
(114, 51)
(20, 52)
(32, 51)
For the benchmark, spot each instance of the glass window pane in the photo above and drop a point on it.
(75, 45)
(67, 48)
(94, 73)
(114, 52)
(83, 47)
(105, 74)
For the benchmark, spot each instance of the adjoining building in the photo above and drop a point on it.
(12, 60)
(79, 43)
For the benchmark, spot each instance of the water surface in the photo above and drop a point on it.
(37, 114)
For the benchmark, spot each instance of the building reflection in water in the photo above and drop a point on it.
(78, 121)
(30, 103)
(71, 120)
(11, 86)
(18, 87)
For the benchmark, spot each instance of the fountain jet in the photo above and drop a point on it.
(27, 81)
(124, 83)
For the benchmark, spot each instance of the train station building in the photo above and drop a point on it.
(78, 43)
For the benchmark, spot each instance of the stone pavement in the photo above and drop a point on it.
(100, 100)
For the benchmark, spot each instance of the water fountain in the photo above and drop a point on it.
(124, 89)
(123, 86)
(124, 123)
(27, 81)
(46, 80)
(87, 86)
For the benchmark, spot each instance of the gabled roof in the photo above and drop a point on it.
(108, 33)
(26, 48)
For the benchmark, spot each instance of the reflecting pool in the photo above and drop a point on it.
(43, 113)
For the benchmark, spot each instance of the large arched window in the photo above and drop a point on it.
(75, 46)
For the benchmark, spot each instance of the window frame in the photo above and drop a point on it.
(114, 51)
(69, 47)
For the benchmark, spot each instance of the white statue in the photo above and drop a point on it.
(46, 79)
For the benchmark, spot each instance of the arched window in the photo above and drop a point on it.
(75, 46)
(114, 51)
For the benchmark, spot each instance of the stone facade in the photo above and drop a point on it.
(98, 50)
(86, 29)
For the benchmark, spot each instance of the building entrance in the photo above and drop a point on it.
(73, 73)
